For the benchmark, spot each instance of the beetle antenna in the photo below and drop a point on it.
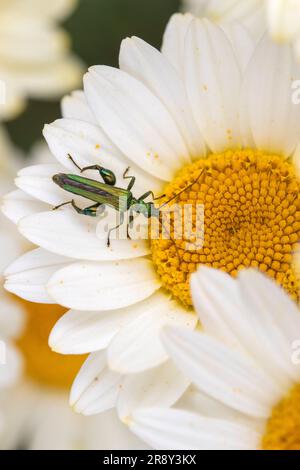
(183, 190)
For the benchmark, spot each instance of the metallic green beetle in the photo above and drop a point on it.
(107, 194)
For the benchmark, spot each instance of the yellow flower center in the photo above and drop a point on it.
(41, 364)
(283, 428)
(251, 218)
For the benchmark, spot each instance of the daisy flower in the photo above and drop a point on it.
(209, 104)
(34, 409)
(35, 58)
(281, 17)
(246, 367)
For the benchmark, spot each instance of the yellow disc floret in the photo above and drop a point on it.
(251, 219)
(41, 364)
(283, 428)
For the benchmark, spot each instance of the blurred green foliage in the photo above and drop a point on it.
(97, 27)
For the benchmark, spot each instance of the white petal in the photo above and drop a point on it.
(137, 346)
(161, 386)
(148, 65)
(104, 286)
(216, 299)
(177, 429)
(95, 388)
(88, 145)
(37, 182)
(75, 106)
(28, 275)
(267, 106)
(276, 323)
(213, 82)
(17, 204)
(136, 121)
(174, 40)
(221, 373)
(78, 236)
(241, 41)
(79, 332)
(250, 314)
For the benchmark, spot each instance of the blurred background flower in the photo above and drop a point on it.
(35, 54)
(96, 28)
(280, 17)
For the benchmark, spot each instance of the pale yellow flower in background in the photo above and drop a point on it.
(280, 17)
(35, 54)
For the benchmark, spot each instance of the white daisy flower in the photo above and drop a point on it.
(209, 103)
(35, 58)
(246, 367)
(281, 17)
(34, 410)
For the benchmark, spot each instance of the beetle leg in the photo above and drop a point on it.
(132, 179)
(90, 211)
(103, 172)
(115, 228)
(61, 205)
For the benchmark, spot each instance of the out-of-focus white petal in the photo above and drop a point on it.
(174, 40)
